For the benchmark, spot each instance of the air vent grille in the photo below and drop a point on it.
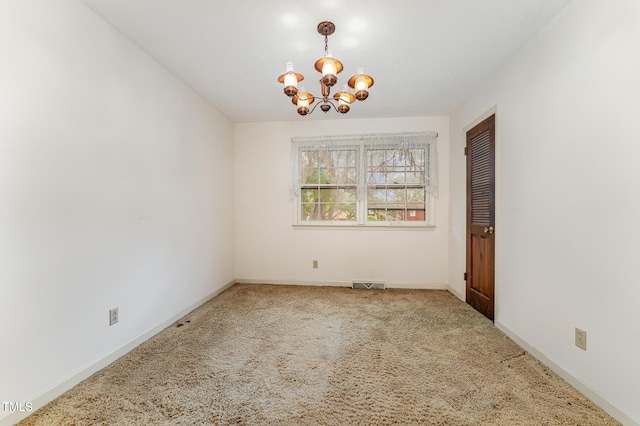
(368, 285)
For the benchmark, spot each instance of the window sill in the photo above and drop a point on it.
(370, 227)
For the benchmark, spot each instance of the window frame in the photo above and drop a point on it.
(319, 186)
(363, 143)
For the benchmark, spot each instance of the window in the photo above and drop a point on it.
(328, 184)
(368, 180)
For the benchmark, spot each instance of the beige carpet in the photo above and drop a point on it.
(284, 355)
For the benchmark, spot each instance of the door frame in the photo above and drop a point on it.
(463, 214)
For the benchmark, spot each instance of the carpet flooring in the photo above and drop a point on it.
(287, 355)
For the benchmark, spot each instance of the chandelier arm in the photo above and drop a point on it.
(314, 107)
(322, 103)
(334, 107)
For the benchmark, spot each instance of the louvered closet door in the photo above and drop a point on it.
(481, 216)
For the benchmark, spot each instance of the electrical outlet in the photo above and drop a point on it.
(581, 339)
(113, 316)
(315, 264)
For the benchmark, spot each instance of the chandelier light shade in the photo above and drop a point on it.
(290, 79)
(344, 100)
(302, 100)
(329, 67)
(361, 83)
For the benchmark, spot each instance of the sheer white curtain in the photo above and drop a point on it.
(376, 151)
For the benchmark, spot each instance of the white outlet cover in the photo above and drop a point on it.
(113, 316)
(581, 339)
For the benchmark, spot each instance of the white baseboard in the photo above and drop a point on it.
(43, 398)
(294, 282)
(341, 284)
(418, 286)
(574, 381)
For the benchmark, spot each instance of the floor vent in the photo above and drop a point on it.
(368, 285)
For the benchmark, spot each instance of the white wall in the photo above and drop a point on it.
(108, 195)
(270, 250)
(567, 210)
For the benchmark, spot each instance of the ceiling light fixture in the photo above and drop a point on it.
(329, 67)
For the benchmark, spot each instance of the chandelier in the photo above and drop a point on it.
(329, 67)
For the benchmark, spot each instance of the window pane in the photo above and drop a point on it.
(417, 158)
(328, 204)
(375, 158)
(309, 195)
(309, 212)
(415, 215)
(375, 215)
(325, 167)
(415, 196)
(402, 157)
(337, 211)
(328, 212)
(308, 169)
(377, 196)
(389, 157)
(328, 166)
(345, 176)
(344, 158)
(396, 214)
(396, 177)
(415, 177)
(337, 196)
(334, 166)
(396, 196)
(375, 177)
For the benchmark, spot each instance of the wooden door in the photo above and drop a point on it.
(481, 216)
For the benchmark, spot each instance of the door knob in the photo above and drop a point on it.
(489, 230)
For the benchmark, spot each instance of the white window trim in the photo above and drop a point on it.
(426, 139)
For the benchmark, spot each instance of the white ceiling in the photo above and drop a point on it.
(426, 56)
